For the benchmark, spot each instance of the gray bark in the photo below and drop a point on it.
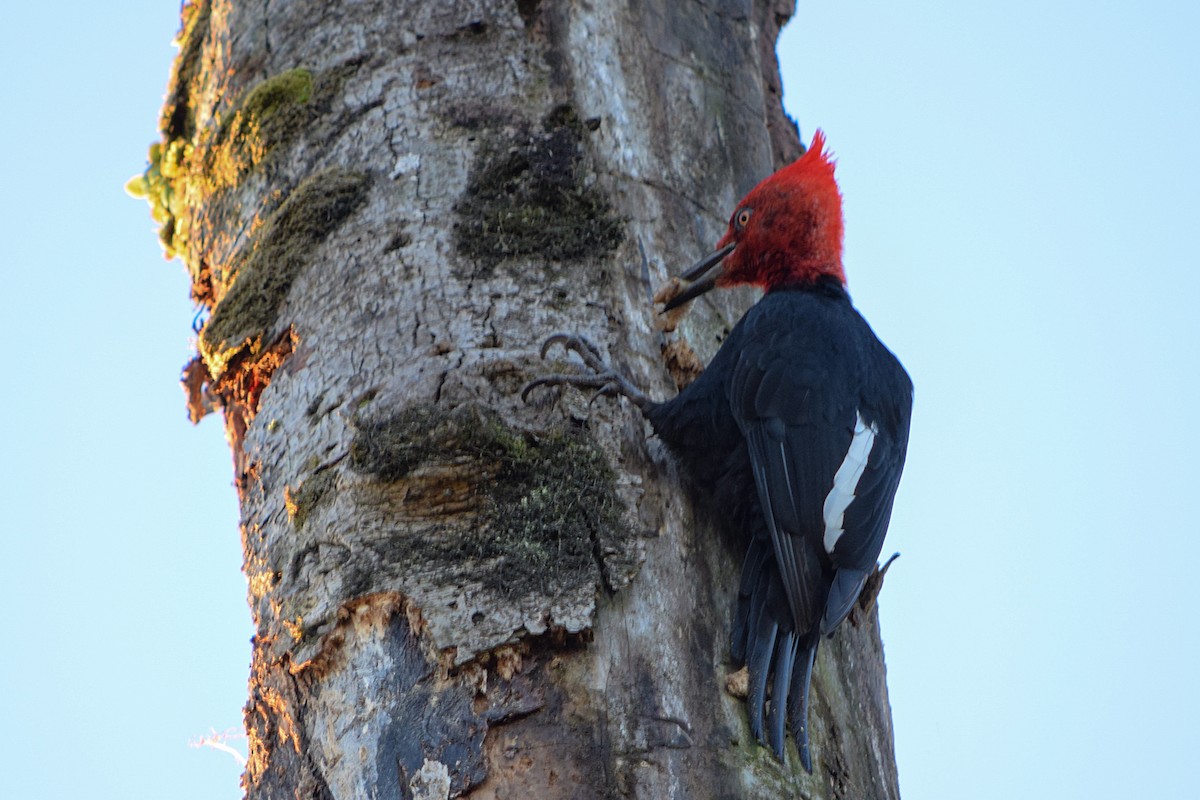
(385, 208)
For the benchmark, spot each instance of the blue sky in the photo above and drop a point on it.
(1021, 191)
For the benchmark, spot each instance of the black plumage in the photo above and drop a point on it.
(765, 430)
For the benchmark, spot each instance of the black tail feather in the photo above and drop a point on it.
(754, 578)
(785, 657)
(765, 639)
(761, 649)
(798, 704)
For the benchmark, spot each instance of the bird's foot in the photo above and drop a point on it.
(604, 379)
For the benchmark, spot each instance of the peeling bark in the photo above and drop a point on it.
(384, 208)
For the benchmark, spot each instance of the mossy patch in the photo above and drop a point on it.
(178, 116)
(185, 167)
(764, 775)
(392, 448)
(275, 93)
(266, 116)
(264, 271)
(190, 166)
(546, 500)
(528, 195)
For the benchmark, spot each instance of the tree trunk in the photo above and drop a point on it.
(384, 209)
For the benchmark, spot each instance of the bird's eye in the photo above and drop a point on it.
(741, 218)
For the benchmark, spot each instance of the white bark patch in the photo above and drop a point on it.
(407, 163)
(845, 481)
(432, 782)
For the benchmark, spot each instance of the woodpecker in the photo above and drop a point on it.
(798, 428)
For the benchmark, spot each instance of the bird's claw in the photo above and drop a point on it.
(604, 379)
(574, 343)
(607, 390)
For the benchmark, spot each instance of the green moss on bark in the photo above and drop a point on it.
(163, 183)
(157, 185)
(545, 500)
(190, 166)
(268, 115)
(269, 97)
(529, 195)
(265, 269)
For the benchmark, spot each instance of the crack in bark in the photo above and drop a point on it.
(321, 789)
(267, 26)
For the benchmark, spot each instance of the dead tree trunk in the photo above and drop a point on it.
(384, 208)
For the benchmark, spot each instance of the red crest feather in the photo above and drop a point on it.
(794, 232)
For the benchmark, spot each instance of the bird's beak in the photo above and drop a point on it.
(698, 277)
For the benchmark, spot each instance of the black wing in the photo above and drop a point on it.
(797, 433)
(824, 411)
(865, 520)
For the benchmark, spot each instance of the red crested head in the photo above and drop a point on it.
(786, 232)
(788, 229)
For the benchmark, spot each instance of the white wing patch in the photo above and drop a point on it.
(845, 481)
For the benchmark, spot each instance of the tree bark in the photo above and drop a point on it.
(384, 209)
